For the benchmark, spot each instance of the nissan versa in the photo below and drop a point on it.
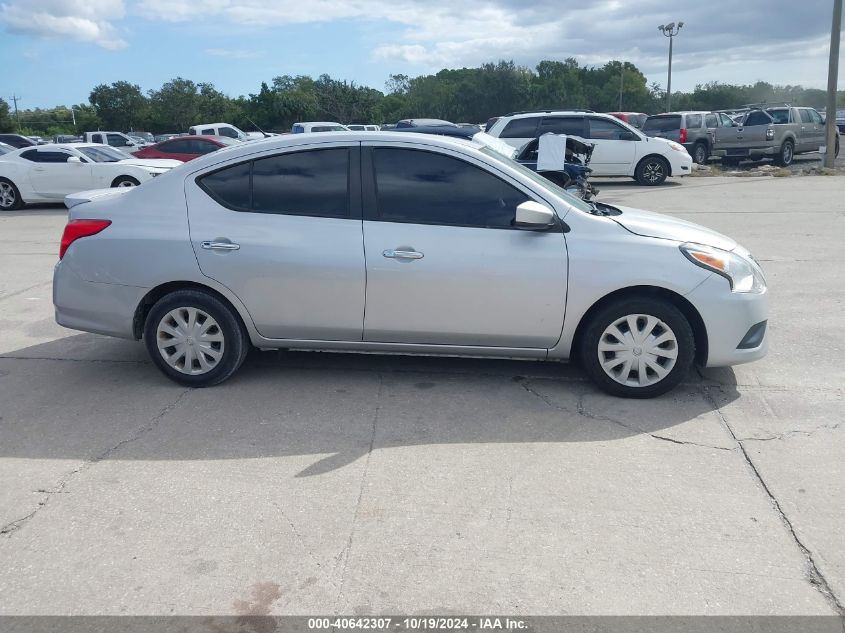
(401, 243)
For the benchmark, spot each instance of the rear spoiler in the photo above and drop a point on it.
(82, 197)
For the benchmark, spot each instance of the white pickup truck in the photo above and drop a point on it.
(115, 139)
(223, 129)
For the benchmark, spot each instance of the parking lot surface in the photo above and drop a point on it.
(331, 483)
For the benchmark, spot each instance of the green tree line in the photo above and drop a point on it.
(459, 95)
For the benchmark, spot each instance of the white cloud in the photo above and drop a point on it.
(82, 20)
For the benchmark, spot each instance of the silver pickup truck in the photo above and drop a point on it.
(770, 131)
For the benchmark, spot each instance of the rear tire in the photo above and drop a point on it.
(700, 153)
(194, 338)
(125, 181)
(10, 196)
(786, 154)
(643, 361)
(652, 171)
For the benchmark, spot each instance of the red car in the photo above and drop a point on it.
(631, 118)
(185, 148)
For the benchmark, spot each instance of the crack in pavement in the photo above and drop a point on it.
(793, 432)
(13, 526)
(347, 548)
(813, 573)
(582, 411)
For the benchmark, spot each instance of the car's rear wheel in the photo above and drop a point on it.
(638, 348)
(125, 181)
(652, 170)
(194, 338)
(786, 154)
(10, 197)
(700, 153)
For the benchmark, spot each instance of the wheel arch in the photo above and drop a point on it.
(123, 176)
(148, 301)
(699, 330)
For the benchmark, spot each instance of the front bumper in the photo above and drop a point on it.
(680, 163)
(730, 319)
(95, 307)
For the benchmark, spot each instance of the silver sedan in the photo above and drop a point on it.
(401, 243)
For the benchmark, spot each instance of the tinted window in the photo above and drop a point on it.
(210, 130)
(176, 147)
(229, 186)
(226, 131)
(45, 157)
(602, 129)
(203, 147)
(302, 183)
(521, 128)
(693, 121)
(427, 188)
(662, 124)
(711, 120)
(115, 140)
(757, 118)
(562, 125)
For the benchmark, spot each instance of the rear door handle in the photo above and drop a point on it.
(393, 254)
(220, 246)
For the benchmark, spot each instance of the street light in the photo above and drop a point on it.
(670, 30)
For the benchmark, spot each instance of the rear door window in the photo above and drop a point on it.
(521, 128)
(711, 120)
(229, 186)
(757, 118)
(569, 125)
(603, 129)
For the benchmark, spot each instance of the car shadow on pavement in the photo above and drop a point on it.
(91, 397)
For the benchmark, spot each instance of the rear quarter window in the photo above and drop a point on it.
(521, 128)
(661, 124)
(693, 121)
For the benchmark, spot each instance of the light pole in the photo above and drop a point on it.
(832, 74)
(670, 30)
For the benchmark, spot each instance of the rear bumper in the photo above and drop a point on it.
(749, 152)
(732, 321)
(94, 307)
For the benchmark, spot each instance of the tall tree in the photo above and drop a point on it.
(6, 124)
(119, 106)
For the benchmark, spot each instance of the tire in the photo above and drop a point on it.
(216, 351)
(125, 181)
(10, 196)
(651, 171)
(651, 317)
(786, 154)
(700, 153)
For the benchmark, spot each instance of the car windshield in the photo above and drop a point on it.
(560, 192)
(103, 154)
(662, 123)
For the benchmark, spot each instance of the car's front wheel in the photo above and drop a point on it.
(638, 348)
(194, 338)
(125, 181)
(652, 170)
(10, 197)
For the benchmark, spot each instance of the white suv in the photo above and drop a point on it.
(621, 150)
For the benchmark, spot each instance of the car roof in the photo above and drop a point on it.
(523, 115)
(317, 123)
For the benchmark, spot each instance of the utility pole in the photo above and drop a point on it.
(16, 98)
(670, 30)
(621, 84)
(832, 76)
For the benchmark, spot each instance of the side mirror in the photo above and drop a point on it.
(534, 216)
(74, 160)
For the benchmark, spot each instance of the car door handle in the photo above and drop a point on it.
(220, 246)
(393, 254)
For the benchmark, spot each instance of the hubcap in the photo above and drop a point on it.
(787, 154)
(700, 155)
(190, 341)
(653, 172)
(638, 350)
(126, 183)
(7, 195)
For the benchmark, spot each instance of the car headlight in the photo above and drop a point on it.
(677, 147)
(744, 274)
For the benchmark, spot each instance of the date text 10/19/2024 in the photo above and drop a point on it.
(422, 623)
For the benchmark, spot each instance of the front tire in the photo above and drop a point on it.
(10, 196)
(637, 348)
(125, 181)
(194, 338)
(651, 171)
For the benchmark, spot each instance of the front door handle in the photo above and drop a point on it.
(220, 246)
(393, 254)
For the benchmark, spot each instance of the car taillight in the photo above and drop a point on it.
(80, 228)
(682, 137)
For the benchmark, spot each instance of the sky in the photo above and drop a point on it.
(54, 52)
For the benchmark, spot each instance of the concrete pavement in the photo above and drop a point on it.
(326, 483)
